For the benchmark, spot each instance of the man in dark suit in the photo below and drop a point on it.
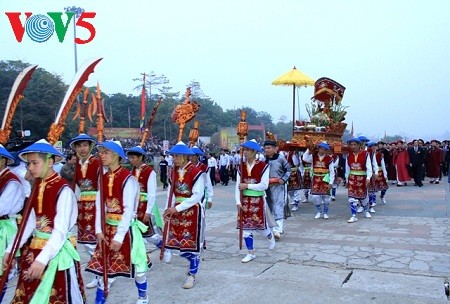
(417, 162)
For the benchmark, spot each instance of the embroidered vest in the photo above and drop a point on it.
(357, 162)
(113, 189)
(5, 178)
(143, 177)
(44, 201)
(183, 186)
(87, 180)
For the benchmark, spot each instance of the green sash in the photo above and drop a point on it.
(249, 192)
(325, 177)
(355, 172)
(155, 210)
(7, 231)
(62, 261)
(138, 252)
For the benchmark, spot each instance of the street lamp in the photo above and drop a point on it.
(77, 11)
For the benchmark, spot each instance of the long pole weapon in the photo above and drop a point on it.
(100, 110)
(14, 98)
(181, 115)
(148, 129)
(82, 110)
(53, 135)
(242, 131)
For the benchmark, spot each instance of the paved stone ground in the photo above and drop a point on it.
(400, 255)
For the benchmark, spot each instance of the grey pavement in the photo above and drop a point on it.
(400, 255)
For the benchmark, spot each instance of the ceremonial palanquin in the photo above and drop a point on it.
(326, 114)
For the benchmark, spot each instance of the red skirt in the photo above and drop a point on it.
(295, 182)
(380, 182)
(318, 186)
(183, 232)
(86, 220)
(118, 263)
(357, 186)
(61, 288)
(253, 216)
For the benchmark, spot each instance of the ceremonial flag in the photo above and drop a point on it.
(141, 123)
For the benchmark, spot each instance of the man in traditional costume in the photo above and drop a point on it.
(372, 191)
(401, 162)
(358, 173)
(381, 174)
(338, 165)
(253, 213)
(434, 160)
(184, 212)
(209, 193)
(305, 170)
(49, 271)
(295, 180)
(86, 175)
(392, 171)
(322, 178)
(12, 198)
(279, 173)
(147, 207)
(121, 234)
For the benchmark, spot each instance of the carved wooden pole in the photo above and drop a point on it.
(242, 131)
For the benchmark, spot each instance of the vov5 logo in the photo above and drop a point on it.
(41, 27)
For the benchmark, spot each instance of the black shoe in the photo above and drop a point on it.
(436, 182)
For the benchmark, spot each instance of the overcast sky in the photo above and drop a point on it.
(392, 56)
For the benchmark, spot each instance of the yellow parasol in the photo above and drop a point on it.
(295, 78)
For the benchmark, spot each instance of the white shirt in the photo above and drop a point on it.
(212, 162)
(208, 186)
(130, 204)
(197, 193)
(224, 161)
(21, 171)
(12, 197)
(151, 190)
(237, 158)
(169, 160)
(261, 186)
(65, 219)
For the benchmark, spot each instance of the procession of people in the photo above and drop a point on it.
(105, 197)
